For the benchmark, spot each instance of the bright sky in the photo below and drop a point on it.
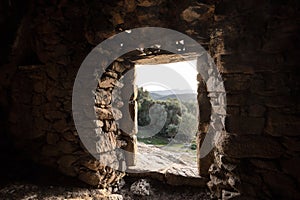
(173, 76)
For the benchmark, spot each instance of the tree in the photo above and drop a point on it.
(181, 117)
(188, 127)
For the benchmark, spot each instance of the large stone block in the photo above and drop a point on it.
(239, 82)
(256, 110)
(291, 143)
(291, 167)
(280, 185)
(279, 124)
(249, 146)
(244, 125)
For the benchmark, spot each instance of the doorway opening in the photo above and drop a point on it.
(167, 118)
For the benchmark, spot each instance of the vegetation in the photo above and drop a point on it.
(175, 119)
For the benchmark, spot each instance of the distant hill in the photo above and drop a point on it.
(155, 95)
(168, 92)
(183, 95)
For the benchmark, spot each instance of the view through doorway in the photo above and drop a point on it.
(167, 117)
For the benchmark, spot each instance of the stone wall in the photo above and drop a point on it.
(255, 47)
(58, 35)
(254, 44)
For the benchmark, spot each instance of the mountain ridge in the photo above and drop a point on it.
(183, 95)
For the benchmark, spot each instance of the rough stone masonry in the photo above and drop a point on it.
(254, 45)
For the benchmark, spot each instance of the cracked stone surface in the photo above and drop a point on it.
(174, 167)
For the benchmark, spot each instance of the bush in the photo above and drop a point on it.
(193, 146)
(180, 119)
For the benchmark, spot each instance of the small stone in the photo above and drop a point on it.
(110, 126)
(130, 5)
(108, 83)
(103, 97)
(67, 160)
(53, 115)
(118, 67)
(91, 164)
(107, 142)
(52, 138)
(50, 150)
(190, 15)
(65, 165)
(148, 3)
(60, 125)
(38, 100)
(104, 192)
(117, 18)
(53, 71)
(108, 197)
(103, 113)
(229, 195)
(115, 197)
(111, 74)
(40, 87)
(66, 147)
(90, 178)
(118, 84)
(141, 187)
(70, 136)
(118, 104)
(99, 123)
(117, 114)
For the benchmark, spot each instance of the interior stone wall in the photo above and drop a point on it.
(254, 44)
(51, 42)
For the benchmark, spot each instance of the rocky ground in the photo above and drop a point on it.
(174, 166)
(23, 180)
(142, 189)
(152, 158)
(156, 190)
